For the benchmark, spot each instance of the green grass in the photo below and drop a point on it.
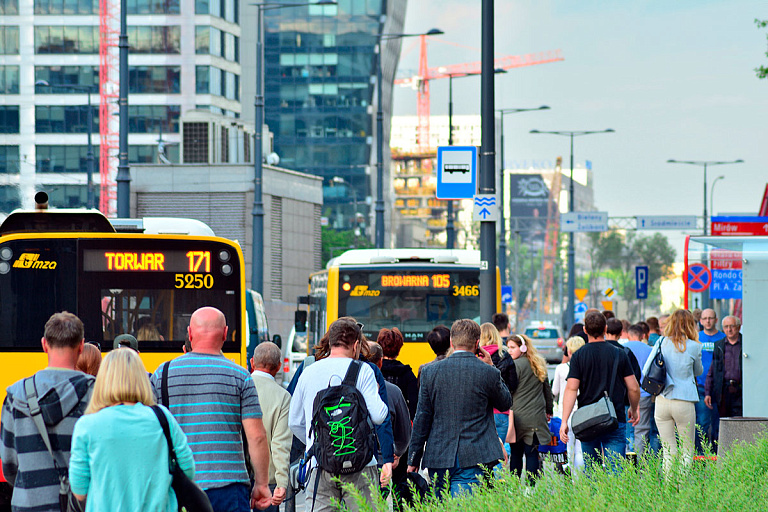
(736, 482)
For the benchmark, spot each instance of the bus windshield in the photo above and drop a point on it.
(414, 301)
(148, 287)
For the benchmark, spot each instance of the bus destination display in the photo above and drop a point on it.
(146, 261)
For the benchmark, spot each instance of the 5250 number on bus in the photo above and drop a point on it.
(194, 281)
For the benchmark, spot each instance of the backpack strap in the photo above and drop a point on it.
(614, 374)
(167, 433)
(35, 413)
(164, 397)
(352, 372)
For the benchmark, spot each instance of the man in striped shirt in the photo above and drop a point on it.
(212, 398)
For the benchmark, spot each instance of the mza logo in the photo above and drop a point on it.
(32, 260)
(363, 291)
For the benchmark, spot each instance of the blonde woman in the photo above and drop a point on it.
(532, 406)
(119, 458)
(490, 340)
(676, 405)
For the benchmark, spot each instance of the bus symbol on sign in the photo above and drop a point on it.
(452, 168)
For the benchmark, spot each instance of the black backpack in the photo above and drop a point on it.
(343, 433)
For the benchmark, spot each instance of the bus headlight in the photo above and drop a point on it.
(5, 267)
(226, 269)
(6, 253)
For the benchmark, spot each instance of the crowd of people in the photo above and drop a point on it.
(90, 427)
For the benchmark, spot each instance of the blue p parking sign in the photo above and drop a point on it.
(641, 282)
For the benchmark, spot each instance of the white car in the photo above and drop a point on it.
(294, 352)
(548, 340)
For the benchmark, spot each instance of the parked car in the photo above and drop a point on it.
(293, 355)
(548, 340)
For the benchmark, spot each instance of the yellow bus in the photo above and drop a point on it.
(411, 289)
(116, 282)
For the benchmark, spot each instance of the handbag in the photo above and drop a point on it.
(592, 421)
(189, 496)
(655, 378)
(67, 501)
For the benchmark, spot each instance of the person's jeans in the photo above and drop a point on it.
(613, 445)
(459, 480)
(643, 428)
(703, 422)
(230, 498)
(502, 425)
(532, 464)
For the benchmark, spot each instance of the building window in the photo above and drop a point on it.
(225, 9)
(9, 79)
(66, 7)
(155, 79)
(66, 39)
(154, 118)
(9, 7)
(203, 79)
(10, 199)
(203, 39)
(147, 154)
(9, 40)
(70, 196)
(9, 119)
(154, 7)
(66, 75)
(65, 159)
(195, 143)
(9, 159)
(154, 39)
(64, 119)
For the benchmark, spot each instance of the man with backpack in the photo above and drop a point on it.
(39, 416)
(333, 409)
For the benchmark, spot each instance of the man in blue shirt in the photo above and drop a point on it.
(641, 350)
(707, 337)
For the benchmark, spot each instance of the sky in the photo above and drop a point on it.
(676, 80)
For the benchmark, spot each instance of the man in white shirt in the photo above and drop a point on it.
(275, 404)
(344, 337)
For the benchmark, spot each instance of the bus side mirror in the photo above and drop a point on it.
(277, 340)
(300, 321)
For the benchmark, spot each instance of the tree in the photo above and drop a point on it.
(614, 256)
(762, 71)
(336, 242)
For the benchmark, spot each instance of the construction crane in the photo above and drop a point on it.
(421, 81)
(109, 95)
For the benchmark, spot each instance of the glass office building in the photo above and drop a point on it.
(320, 97)
(184, 55)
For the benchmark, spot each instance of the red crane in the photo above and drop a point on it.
(109, 93)
(421, 81)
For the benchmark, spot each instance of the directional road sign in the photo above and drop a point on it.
(506, 294)
(485, 208)
(739, 226)
(699, 277)
(579, 309)
(666, 222)
(726, 284)
(456, 172)
(584, 221)
(641, 282)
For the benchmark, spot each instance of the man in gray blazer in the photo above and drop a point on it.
(454, 417)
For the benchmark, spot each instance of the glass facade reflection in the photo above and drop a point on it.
(319, 96)
(9, 159)
(9, 79)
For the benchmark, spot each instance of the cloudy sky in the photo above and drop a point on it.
(674, 79)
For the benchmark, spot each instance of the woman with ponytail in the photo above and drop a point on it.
(531, 404)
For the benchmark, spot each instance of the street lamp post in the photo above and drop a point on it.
(712, 195)
(503, 226)
(257, 247)
(450, 232)
(379, 236)
(487, 178)
(704, 164)
(90, 201)
(569, 314)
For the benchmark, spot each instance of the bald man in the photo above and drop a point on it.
(212, 398)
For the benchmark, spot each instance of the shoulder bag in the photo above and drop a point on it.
(189, 496)
(67, 501)
(655, 378)
(592, 421)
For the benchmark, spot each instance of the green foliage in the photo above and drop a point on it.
(762, 71)
(737, 482)
(614, 255)
(336, 242)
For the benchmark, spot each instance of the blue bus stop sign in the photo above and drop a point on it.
(506, 294)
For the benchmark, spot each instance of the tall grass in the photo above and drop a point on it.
(738, 481)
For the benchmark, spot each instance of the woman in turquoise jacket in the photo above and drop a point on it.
(119, 459)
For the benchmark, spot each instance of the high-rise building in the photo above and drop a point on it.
(320, 97)
(184, 55)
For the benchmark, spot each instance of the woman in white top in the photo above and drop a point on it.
(574, 343)
(675, 406)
